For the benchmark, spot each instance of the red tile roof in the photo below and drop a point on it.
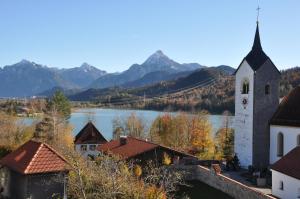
(89, 134)
(288, 112)
(132, 148)
(289, 164)
(35, 157)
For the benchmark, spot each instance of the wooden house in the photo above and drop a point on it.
(88, 139)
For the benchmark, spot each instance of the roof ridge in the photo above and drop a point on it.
(35, 154)
(56, 153)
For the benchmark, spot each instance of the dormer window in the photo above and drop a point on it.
(267, 89)
(245, 87)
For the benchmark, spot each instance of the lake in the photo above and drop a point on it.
(103, 119)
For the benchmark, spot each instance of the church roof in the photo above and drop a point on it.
(289, 164)
(35, 157)
(256, 57)
(288, 111)
(89, 134)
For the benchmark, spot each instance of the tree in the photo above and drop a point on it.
(201, 139)
(13, 133)
(132, 126)
(225, 139)
(54, 125)
(59, 104)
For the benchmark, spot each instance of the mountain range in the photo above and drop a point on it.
(27, 78)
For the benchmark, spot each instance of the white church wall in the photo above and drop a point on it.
(244, 116)
(290, 135)
(290, 188)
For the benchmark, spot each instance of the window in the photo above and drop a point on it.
(92, 147)
(281, 185)
(83, 147)
(298, 140)
(245, 88)
(280, 144)
(267, 89)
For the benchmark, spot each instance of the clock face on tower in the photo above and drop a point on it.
(245, 102)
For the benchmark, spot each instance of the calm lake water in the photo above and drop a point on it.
(103, 119)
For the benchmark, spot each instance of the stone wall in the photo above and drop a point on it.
(222, 183)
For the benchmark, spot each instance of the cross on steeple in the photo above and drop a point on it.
(257, 9)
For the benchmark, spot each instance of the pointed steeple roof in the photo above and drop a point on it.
(256, 57)
(257, 44)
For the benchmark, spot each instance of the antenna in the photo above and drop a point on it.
(257, 9)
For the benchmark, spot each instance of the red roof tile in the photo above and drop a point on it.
(132, 148)
(288, 112)
(34, 157)
(89, 134)
(289, 164)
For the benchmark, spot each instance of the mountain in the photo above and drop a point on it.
(82, 76)
(27, 78)
(66, 92)
(157, 62)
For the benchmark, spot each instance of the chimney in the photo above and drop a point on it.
(123, 139)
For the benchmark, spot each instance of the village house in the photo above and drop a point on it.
(286, 175)
(130, 148)
(35, 171)
(88, 139)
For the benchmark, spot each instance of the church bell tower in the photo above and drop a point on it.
(256, 99)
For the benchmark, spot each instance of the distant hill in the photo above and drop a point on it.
(157, 62)
(208, 83)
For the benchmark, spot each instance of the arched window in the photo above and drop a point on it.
(298, 140)
(267, 89)
(245, 87)
(280, 144)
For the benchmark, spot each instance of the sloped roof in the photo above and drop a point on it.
(256, 57)
(288, 111)
(289, 164)
(132, 148)
(89, 134)
(35, 157)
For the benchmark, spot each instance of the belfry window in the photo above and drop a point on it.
(267, 89)
(245, 88)
(280, 144)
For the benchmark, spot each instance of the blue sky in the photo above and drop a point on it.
(112, 34)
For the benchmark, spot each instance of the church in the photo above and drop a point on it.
(267, 131)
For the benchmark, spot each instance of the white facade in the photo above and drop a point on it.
(87, 149)
(285, 187)
(244, 115)
(291, 139)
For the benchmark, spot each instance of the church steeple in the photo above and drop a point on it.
(256, 57)
(257, 44)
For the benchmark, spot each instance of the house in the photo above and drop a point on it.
(130, 148)
(286, 175)
(35, 171)
(285, 126)
(256, 100)
(88, 139)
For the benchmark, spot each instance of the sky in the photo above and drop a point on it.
(114, 34)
